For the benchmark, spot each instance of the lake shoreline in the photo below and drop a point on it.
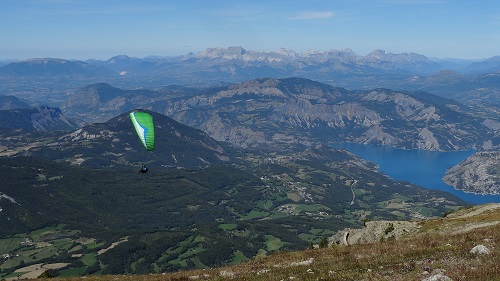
(420, 167)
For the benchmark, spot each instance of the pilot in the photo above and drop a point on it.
(143, 170)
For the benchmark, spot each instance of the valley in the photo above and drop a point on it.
(243, 167)
(268, 204)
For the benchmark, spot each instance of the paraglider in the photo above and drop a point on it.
(143, 124)
(143, 170)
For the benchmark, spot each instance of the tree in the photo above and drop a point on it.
(48, 274)
(323, 243)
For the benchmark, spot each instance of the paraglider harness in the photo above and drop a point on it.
(143, 170)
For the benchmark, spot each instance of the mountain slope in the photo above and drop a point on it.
(461, 246)
(116, 144)
(39, 118)
(303, 111)
(52, 67)
(175, 218)
(98, 102)
(480, 91)
(480, 173)
(223, 210)
(489, 65)
(11, 102)
(50, 76)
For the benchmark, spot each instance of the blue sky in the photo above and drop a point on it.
(84, 29)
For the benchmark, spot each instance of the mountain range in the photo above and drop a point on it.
(243, 165)
(250, 113)
(474, 83)
(305, 111)
(287, 111)
(235, 64)
(296, 110)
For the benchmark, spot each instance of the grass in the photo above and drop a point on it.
(255, 215)
(228, 226)
(9, 244)
(294, 197)
(393, 260)
(239, 257)
(438, 247)
(89, 259)
(273, 243)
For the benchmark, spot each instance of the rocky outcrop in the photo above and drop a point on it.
(480, 250)
(480, 173)
(426, 140)
(465, 219)
(374, 231)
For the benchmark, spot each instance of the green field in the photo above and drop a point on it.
(228, 226)
(273, 243)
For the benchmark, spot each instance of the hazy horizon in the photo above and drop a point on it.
(267, 51)
(81, 30)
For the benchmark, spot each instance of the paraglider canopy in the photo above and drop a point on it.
(143, 124)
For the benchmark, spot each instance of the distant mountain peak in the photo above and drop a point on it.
(225, 53)
(286, 52)
(115, 142)
(51, 67)
(122, 59)
(119, 57)
(379, 54)
(44, 60)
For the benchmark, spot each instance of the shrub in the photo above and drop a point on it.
(389, 228)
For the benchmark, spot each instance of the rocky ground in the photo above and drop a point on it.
(480, 173)
(375, 231)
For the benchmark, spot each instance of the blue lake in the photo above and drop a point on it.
(420, 167)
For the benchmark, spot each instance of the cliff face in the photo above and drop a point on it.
(301, 111)
(480, 173)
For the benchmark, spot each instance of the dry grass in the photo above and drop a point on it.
(409, 259)
(441, 246)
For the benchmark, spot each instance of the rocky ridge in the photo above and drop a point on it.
(42, 118)
(11, 102)
(374, 59)
(303, 111)
(473, 217)
(480, 173)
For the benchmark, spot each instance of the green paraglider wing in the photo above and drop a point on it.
(143, 124)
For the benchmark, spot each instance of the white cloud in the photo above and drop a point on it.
(313, 15)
